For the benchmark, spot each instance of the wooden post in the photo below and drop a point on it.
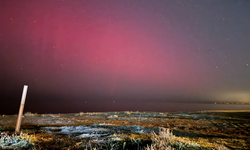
(20, 114)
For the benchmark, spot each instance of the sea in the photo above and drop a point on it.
(164, 107)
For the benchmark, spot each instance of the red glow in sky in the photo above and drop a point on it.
(110, 50)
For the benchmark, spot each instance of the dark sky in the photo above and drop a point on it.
(84, 55)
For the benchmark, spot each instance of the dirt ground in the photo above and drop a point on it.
(207, 128)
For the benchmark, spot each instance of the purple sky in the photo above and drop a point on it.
(73, 53)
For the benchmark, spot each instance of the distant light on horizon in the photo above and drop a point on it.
(234, 97)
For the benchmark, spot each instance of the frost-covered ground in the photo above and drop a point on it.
(98, 131)
(206, 129)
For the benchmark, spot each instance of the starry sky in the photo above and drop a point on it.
(102, 55)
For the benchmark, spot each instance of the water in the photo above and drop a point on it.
(169, 107)
(70, 107)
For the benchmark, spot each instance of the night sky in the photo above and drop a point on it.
(115, 55)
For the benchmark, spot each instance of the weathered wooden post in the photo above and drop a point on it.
(20, 114)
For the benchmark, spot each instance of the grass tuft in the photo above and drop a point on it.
(16, 141)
